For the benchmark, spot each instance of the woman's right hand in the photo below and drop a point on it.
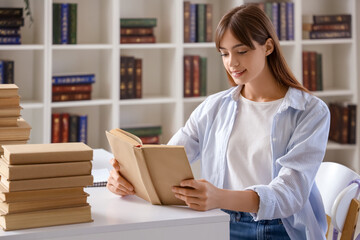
(118, 184)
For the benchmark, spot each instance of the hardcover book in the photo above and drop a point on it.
(20, 132)
(8, 90)
(152, 169)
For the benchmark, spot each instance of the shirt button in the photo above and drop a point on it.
(274, 139)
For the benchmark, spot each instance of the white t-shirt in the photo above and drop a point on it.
(249, 154)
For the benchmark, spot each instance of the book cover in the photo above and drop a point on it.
(11, 22)
(193, 22)
(319, 79)
(138, 22)
(8, 90)
(46, 183)
(352, 123)
(203, 76)
(47, 153)
(64, 117)
(61, 97)
(312, 70)
(186, 21)
(150, 140)
(201, 22)
(8, 121)
(10, 40)
(46, 218)
(275, 17)
(196, 76)
(55, 128)
(44, 170)
(130, 74)
(9, 102)
(72, 32)
(143, 31)
(10, 143)
(123, 78)
(290, 30)
(331, 27)
(11, 12)
(9, 31)
(332, 18)
(306, 69)
(282, 21)
(10, 111)
(64, 23)
(67, 79)
(56, 23)
(37, 195)
(82, 128)
(188, 75)
(20, 132)
(144, 131)
(137, 39)
(138, 78)
(73, 126)
(72, 88)
(9, 72)
(209, 19)
(152, 169)
(329, 34)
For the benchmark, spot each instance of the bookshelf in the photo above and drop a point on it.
(98, 51)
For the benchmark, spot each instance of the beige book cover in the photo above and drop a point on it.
(36, 195)
(47, 153)
(151, 169)
(10, 143)
(44, 170)
(9, 101)
(20, 132)
(10, 111)
(8, 121)
(46, 204)
(8, 90)
(46, 183)
(45, 218)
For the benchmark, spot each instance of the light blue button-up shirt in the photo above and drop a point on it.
(298, 139)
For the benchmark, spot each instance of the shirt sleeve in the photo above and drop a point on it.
(288, 192)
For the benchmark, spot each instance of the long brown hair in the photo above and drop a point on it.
(249, 23)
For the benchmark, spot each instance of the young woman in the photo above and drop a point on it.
(260, 142)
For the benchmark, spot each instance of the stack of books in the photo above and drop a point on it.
(198, 22)
(64, 23)
(67, 127)
(312, 70)
(342, 122)
(137, 30)
(130, 77)
(72, 87)
(195, 68)
(11, 19)
(13, 129)
(6, 71)
(148, 134)
(327, 26)
(42, 185)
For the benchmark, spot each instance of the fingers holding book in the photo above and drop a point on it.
(118, 184)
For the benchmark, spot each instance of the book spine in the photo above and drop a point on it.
(312, 73)
(138, 22)
(137, 39)
(9, 72)
(329, 34)
(201, 23)
(306, 70)
(339, 18)
(60, 97)
(11, 22)
(186, 21)
(136, 31)
(352, 124)
(56, 23)
(275, 17)
(268, 10)
(73, 128)
(196, 76)
(203, 76)
(72, 23)
(9, 32)
(209, 19)
(131, 78)
(187, 75)
(344, 124)
(282, 20)
(72, 88)
(319, 80)
(150, 140)
(290, 21)
(64, 127)
(56, 128)
(74, 79)
(331, 27)
(82, 128)
(64, 23)
(193, 30)
(2, 72)
(11, 12)
(123, 79)
(10, 40)
(145, 131)
(138, 78)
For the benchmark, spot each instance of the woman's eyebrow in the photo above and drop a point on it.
(235, 46)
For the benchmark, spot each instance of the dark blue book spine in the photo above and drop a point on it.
(193, 22)
(290, 20)
(10, 40)
(275, 18)
(74, 79)
(82, 128)
(2, 72)
(64, 23)
(8, 69)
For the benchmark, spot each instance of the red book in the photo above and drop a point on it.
(137, 39)
(186, 21)
(196, 76)
(187, 76)
(64, 127)
(150, 140)
(71, 88)
(136, 31)
(209, 19)
(138, 78)
(312, 69)
(60, 97)
(55, 128)
(306, 77)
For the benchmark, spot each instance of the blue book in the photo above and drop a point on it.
(10, 40)
(290, 20)
(73, 79)
(82, 128)
(2, 72)
(193, 22)
(275, 18)
(64, 23)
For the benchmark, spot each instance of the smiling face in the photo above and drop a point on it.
(244, 64)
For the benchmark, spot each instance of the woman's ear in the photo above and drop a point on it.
(269, 46)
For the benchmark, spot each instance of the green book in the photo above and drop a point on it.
(72, 23)
(138, 22)
(56, 23)
(201, 22)
(144, 131)
(203, 75)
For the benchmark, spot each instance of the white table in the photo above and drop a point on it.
(132, 218)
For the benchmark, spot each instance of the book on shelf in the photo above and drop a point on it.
(73, 78)
(82, 128)
(10, 40)
(68, 128)
(150, 139)
(46, 218)
(193, 26)
(312, 70)
(44, 170)
(144, 131)
(11, 12)
(138, 78)
(43, 204)
(64, 23)
(138, 22)
(47, 153)
(137, 39)
(130, 77)
(195, 68)
(19, 132)
(37, 195)
(6, 71)
(138, 31)
(8, 90)
(71, 88)
(61, 97)
(11, 19)
(152, 169)
(186, 21)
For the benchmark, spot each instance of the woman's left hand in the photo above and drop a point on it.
(198, 194)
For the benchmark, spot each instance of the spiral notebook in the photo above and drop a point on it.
(100, 177)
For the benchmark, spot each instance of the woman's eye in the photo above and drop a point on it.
(242, 52)
(223, 54)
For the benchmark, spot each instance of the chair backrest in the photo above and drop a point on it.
(333, 181)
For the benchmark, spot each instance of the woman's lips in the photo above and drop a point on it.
(237, 74)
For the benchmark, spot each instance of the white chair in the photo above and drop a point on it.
(340, 198)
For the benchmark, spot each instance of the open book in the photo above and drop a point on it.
(151, 169)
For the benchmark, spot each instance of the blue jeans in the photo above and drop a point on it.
(242, 226)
